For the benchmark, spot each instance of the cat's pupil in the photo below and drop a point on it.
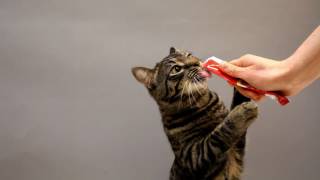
(177, 68)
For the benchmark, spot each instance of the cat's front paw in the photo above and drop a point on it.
(249, 110)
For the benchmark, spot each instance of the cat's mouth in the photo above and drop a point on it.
(196, 84)
(204, 74)
(200, 76)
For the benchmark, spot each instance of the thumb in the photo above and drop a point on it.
(232, 70)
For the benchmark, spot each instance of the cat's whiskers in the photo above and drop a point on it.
(190, 87)
(196, 86)
(181, 95)
(188, 91)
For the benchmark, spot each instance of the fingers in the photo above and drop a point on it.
(232, 70)
(249, 94)
(243, 61)
(239, 67)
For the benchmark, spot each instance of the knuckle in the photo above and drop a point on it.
(246, 56)
(232, 70)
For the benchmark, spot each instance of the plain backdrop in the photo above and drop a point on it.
(71, 110)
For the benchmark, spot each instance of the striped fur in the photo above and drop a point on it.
(207, 139)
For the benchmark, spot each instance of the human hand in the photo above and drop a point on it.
(262, 73)
(289, 76)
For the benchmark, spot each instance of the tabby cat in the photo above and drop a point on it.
(208, 141)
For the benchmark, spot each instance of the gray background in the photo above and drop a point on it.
(71, 110)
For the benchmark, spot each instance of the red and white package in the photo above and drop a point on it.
(212, 65)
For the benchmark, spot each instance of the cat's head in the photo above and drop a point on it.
(175, 80)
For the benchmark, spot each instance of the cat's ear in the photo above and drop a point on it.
(173, 50)
(144, 75)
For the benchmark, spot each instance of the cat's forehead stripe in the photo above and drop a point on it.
(173, 61)
(181, 62)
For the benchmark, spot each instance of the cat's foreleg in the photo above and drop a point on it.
(196, 156)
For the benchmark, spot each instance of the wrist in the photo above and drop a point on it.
(284, 75)
(291, 76)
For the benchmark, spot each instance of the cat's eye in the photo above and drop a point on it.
(176, 70)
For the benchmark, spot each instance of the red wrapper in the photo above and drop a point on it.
(212, 65)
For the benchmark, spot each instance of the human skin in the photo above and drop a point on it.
(288, 76)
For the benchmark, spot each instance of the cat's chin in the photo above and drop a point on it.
(198, 88)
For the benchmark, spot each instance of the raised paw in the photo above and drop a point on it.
(244, 114)
(249, 109)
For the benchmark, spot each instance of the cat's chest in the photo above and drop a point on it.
(190, 130)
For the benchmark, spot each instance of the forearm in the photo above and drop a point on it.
(303, 67)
